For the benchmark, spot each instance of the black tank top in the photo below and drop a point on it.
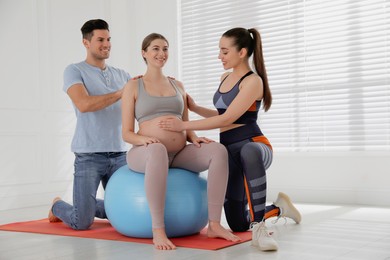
(222, 100)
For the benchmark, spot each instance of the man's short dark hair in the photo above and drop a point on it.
(89, 26)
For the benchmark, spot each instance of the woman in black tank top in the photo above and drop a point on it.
(237, 101)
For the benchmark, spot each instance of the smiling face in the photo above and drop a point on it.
(156, 54)
(99, 46)
(228, 53)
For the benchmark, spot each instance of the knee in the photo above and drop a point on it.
(236, 216)
(83, 224)
(218, 149)
(238, 227)
(156, 149)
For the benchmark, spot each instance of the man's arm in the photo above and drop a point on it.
(86, 103)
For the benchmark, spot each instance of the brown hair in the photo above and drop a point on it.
(250, 39)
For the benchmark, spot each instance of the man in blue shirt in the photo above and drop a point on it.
(95, 89)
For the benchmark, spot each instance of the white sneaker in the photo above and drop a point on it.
(287, 209)
(261, 237)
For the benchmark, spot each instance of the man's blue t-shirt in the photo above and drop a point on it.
(99, 131)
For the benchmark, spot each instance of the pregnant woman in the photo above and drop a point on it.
(153, 98)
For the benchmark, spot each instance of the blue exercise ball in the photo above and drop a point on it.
(185, 203)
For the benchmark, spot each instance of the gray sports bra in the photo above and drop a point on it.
(148, 107)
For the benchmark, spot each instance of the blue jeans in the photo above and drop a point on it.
(90, 170)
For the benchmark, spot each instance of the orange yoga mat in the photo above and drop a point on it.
(102, 229)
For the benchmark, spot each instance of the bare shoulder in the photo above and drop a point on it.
(132, 84)
(179, 84)
(131, 88)
(253, 80)
(224, 75)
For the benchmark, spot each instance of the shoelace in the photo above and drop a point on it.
(263, 229)
(281, 215)
(252, 225)
(277, 219)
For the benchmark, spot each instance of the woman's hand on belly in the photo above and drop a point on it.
(173, 141)
(171, 123)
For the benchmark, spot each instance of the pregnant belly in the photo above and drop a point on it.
(173, 141)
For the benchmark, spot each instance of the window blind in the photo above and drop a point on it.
(328, 64)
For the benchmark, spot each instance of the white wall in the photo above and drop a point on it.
(340, 177)
(40, 37)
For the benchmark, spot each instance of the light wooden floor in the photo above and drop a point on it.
(326, 232)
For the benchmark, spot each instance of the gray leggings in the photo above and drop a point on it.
(154, 161)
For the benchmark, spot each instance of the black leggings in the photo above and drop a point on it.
(247, 185)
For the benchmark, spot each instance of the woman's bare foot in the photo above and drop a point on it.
(161, 241)
(51, 216)
(215, 229)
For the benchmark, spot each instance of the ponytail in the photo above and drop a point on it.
(258, 63)
(250, 39)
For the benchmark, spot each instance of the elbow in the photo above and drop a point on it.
(84, 107)
(126, 136)
(83, 110)
(227, 121)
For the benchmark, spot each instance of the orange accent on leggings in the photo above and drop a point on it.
(249, 200)
(272, 213)
(262, 139)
